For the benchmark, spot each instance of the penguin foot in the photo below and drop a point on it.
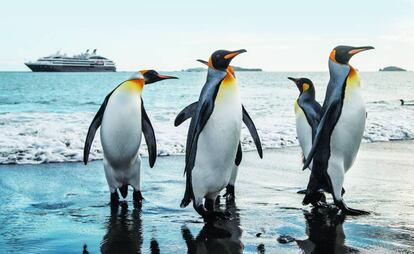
(114, 199)
(137, 196)
(317, 199)
(320, 200)
(350, 211)
(207, 215)
(304, 191)
(229, 195)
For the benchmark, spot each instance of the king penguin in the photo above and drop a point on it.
(213, 140)
(187, 113)
(123, 120)
(340, 130)
(308, 114)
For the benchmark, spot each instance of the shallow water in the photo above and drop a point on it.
(57, 208)
(44, 117)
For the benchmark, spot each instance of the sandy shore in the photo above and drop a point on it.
(51, 208)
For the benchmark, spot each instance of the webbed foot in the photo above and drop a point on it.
(317, 199)
(349, 211)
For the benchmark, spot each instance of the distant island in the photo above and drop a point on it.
(392, 68)
(198, 69)
(236, 68)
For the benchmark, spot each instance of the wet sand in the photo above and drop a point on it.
(57, 208)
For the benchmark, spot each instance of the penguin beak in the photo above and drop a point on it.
(202, 61)
(357, 50)
(162, 77)
(298, 85)
(293, 79)
(232, 54)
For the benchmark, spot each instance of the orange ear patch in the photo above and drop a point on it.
(210, 63)
(332, 55)
(305, 87)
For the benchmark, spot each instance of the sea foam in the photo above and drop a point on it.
(31, 138)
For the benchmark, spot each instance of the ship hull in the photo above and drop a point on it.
(68, 68)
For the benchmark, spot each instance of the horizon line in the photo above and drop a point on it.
(185, 70)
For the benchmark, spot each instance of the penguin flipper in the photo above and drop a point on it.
(149, 135)
(324, 130)
(186, 113)
(186, 199)
(96, 122)
(252, 129)
(238, 155)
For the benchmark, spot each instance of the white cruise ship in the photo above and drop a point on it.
(85, 62)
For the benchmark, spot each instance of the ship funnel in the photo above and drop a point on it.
(94, 51)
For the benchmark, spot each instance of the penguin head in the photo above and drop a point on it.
(229, 68)
(221, 59)
(342, 54)
(151, 76)
(303, 84)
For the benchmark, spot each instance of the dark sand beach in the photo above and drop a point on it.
(57, 208)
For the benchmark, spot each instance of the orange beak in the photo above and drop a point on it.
(359, 49)
(234, 53)
(166, 77)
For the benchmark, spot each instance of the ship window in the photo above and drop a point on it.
(97, 57)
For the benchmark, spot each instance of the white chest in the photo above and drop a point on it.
(121, 126)
(347, 134)
(217, 143)
(303, 131)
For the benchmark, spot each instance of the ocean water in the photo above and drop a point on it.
(57, 208)
(44, 117)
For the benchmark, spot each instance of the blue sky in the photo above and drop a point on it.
(169, 35)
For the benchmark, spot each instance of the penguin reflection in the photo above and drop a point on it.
(325, 233)
(124, 231)
(220, 236)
